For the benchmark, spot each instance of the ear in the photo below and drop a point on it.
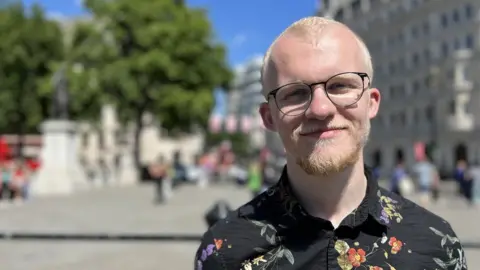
(266, 115)
(373, 102)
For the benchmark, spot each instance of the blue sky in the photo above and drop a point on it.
(246, 26)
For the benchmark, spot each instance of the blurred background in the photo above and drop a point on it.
(128, 127)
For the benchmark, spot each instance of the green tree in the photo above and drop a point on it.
(156, 56)
(85, 55)
(30, 44)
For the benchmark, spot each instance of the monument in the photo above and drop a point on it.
(60, 171)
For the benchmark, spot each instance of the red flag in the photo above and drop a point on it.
(419, 151)
(246, 123)
(231, 124)
(4, 150)
(215, 123)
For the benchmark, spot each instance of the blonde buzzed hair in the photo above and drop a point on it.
(310, 29)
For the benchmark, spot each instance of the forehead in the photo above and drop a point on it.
(295, 58)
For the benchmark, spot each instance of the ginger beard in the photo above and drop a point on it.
(324, 159)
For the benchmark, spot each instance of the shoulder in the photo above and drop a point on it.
(426, 235)
(409, 212)
(230, 241)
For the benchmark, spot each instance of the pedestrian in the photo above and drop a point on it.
(254, 182)
(459, 176)
(326, 211)
(6, 192)
(397, 181)
(158, 173)
(427, 180)
(474, 173)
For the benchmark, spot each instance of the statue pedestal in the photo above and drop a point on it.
(59, 171)
(128, 174)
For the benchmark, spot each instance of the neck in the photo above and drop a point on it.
(333, 197)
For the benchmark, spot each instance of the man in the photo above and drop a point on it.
(326, 212)
(427, 179)
(474, 173)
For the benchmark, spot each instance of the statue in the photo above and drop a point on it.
(60, 96)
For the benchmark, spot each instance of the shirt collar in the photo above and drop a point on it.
(374, 205)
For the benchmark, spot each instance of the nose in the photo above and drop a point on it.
(321, 107)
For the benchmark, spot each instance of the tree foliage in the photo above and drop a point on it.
(156, 56)
(30, 43)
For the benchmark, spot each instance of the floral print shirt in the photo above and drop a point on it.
(386, 231)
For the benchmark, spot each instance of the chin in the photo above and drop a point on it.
(327, 147)
(329, 160)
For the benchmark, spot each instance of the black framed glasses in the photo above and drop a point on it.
(343, 90)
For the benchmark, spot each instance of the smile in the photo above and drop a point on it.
(323, 133)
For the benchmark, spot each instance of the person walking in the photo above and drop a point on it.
(158, 173)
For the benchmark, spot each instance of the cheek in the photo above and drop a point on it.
(356, 116)
(286, 125)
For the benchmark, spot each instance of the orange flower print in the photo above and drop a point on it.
(356, 257)
(218, 243)
(395, 244)
(375, 268)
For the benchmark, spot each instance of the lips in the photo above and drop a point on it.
(320, 130)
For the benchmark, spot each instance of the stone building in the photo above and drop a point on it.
(426, 60)
(245, 98)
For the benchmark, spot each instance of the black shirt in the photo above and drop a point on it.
(386, 231)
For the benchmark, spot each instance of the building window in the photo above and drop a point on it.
(408, 89)
(414, 32)
(325, 3)
(393, 119)
(416, 86)
(356, 7)
(444, 20)
(401, 90)
(426, 55)
(468, 11)
(427, 82)
(469, 42)
(452, 107)
(445, 49)
(402, 119)
(468, 107)
(426, 28)
(415, 59)
(416, 116)
(393, 91)
(391, 68)
(429, 113)
(339, 16)
(456, 16)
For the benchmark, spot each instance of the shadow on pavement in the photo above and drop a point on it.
(100, 237)
(18, 236)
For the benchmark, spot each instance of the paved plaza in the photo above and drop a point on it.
(130, 210)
